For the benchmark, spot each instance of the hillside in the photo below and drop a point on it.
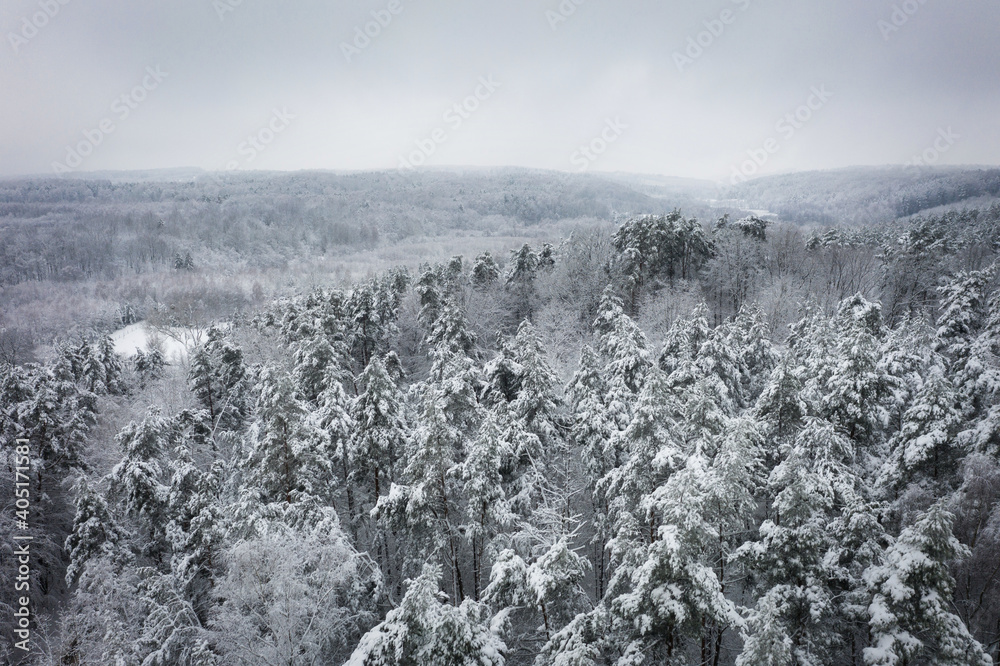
(864, 195)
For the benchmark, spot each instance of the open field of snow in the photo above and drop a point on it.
(174, 342)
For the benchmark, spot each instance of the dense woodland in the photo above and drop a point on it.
(656, 440)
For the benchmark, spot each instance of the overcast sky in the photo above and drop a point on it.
(627, 79)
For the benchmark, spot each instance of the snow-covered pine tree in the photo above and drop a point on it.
(423, 631)
(964, 313)
(432, 295)
(683, 340)
(425, 505)
(285, 472)
(925, 446)
(522, 269)
(203, 382)
(807, 563)
(665, 597)
(197, 528)
(136, 483)
(780, 406)
(551, 584)
(55, 416)
(95, 532)
(381, 433)
(172, 633)
(537, 403)
(487, 512)
(594, 435)
(748, 334)
(316, 362)
(623, 345)
(911, 615)
(652, 452)
(149, 365)
(485, 271)
(335, 426)
(450, 330)
(853, 392)
(502, 375)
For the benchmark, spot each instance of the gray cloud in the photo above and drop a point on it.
(892, 91)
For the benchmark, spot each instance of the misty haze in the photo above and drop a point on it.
(552, 333)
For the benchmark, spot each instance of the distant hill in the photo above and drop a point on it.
(91, 226)
(66, 228)
(863, 195)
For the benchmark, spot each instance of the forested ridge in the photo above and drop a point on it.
(866, 195)
(680, 442)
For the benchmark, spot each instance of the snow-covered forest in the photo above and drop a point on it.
(655, 441)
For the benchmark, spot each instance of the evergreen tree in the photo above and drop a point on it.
(432, 296)
(113, 377)
(171, 633)
(853, 392)
(684, 340)
(963, 315)
(425, 505)
(623, 344)
(536, 404)
(808, 561)
(101, 368)
(652, 452)
(55, 416)
(502, 375)
(911, 618)
(316, 362)
(203, 382)
(522, 269)
(651, 246)
(551, 585)
(664, 596)
(423, 631)
(95, 532)
(594, 435)
(450, 330)
(780, 406)
(284, 468)
(136, 482)
(381, 430)
(925, 446)
(546, 257)
(334, 424)
(485, 271)
(488, 512)
(196, 529)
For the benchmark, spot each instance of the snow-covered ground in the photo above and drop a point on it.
(174, 342)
